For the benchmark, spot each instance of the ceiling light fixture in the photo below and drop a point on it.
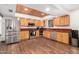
(47, 9)
(26, 9)
(42, 14)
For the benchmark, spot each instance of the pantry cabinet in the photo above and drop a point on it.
(24, 22)
(61, 21)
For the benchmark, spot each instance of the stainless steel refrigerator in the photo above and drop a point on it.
(11, 30)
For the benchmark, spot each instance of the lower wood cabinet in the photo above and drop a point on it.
(37, 33)
(46, 34)
(59, 36)
(24, 35)
(62, 37)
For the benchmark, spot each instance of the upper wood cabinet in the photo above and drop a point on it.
(61, 21)
(23, 22)
(56, 21)
(39, 23)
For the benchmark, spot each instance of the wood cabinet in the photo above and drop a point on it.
(56, 21)
(67, 20)
(46, 34)
(24, 35)
(61, 21)
(37, 33)
(36, 23)
(62, 37)
(24, 22)
(39, 23)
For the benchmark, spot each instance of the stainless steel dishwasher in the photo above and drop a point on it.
(53, 35)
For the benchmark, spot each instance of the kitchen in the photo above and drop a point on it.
(30, 27)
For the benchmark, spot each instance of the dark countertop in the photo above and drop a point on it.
(48, 29)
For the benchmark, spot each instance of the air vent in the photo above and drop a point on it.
(10, 10)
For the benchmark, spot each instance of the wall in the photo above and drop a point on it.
(0, 25)
(74, 19)
(4, 9)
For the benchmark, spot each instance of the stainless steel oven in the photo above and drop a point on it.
(32, 34)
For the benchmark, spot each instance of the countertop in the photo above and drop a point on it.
(46, 27)
(63, 29)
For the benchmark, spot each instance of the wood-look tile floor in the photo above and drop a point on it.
(37, 46)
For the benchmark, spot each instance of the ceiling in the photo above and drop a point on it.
(30, 11)
(55, 9)
(51, 9)
(8, 9)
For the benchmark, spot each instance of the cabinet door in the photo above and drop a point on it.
(66, 20)
(24, 35)
(37, 33)
(23, 22)
(47, 34)
(62, 37)
(61, 21)
(39, 23)
(65, 37)
(59, 36)
(56, 21)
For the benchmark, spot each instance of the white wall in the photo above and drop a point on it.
(74, 19)
(0, 28)
(0, 25)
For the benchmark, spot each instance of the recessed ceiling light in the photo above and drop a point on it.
(42, 14)
(10, 10)
(26, 9)
(47, 9)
